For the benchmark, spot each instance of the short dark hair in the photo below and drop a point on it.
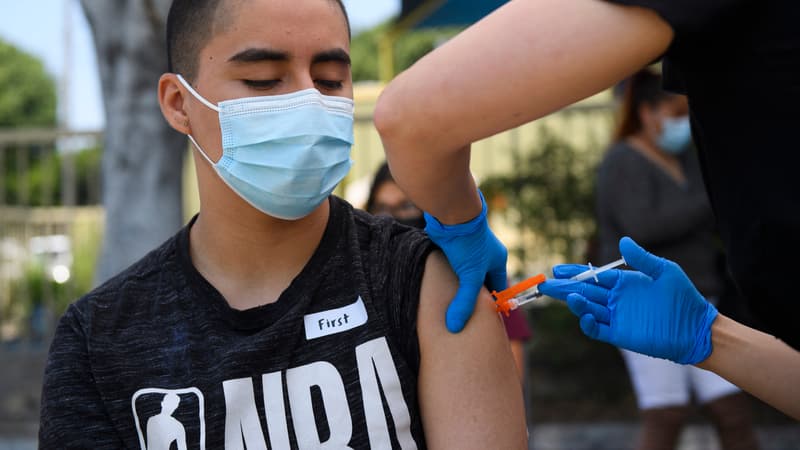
(190, 25)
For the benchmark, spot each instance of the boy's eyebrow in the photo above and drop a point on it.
(259, 54)
(332, 55)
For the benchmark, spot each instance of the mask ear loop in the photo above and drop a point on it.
(201, 151)
(205, 102)
(196, 94)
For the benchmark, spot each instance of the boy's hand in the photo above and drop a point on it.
(656, 311)
(476, 256)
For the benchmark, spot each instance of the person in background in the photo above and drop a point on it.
(387, 199)
(649, 187)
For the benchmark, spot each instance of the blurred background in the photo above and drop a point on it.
(91, 178)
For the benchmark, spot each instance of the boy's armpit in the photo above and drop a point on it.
(469, 392)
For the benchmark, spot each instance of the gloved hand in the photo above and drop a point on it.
(476, 256)
(656, 311)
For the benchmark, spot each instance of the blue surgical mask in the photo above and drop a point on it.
(283, 154)
(676, 133)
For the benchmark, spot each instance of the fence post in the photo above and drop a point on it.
(68, 181)
(3, 174)
(23, 193)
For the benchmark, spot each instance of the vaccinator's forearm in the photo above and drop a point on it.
(756, 362)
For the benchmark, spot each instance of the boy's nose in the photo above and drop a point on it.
(304, 81)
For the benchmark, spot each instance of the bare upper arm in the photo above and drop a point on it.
(523, 61)
(469, 392)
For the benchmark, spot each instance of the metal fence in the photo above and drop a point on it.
(49, 227)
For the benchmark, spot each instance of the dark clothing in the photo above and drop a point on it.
(156, 355)
(637, 198)
(739, 63)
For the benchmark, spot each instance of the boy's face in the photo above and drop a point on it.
(267, 47)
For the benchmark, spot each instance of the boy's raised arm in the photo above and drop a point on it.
(469, 392)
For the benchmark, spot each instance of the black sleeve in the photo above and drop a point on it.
(625, 188)
(410, 251)
(72, 412)
(686, 17)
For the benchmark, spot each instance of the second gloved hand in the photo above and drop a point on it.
(476, 256)
(656, 311)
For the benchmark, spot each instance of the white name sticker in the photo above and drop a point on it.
(336, 320)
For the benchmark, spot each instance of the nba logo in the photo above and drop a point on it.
(167, 417)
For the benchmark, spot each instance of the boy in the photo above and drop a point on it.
(278, 317)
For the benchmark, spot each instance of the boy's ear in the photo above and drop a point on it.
(171, 99)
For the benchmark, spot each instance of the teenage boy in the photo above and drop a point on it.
(279, 317)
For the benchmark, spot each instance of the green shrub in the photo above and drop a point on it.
(551, 194)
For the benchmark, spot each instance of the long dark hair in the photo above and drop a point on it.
(643, 88)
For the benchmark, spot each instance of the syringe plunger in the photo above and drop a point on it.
(593, 271)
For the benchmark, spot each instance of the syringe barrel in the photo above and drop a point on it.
(527, 298)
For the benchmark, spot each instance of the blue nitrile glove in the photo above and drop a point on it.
(476, 256)
(656, 311)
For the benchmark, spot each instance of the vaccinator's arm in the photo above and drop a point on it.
(527, 59)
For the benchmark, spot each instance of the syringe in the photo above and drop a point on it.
(509, 299)
(593, 271)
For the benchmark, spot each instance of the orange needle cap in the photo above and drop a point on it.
(503, 298)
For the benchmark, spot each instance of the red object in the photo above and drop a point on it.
(517, 327)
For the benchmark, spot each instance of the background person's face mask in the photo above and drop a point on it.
(283, 154)
(676, 133)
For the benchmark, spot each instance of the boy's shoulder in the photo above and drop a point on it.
(384, 235)
(138, 282)
(384, 226)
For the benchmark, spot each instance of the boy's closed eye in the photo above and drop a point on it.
(330, 84)
(261, 84)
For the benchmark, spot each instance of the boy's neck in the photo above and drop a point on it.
(251, 258)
